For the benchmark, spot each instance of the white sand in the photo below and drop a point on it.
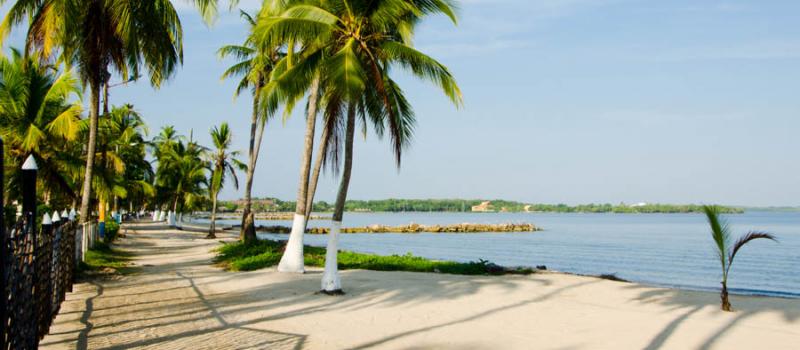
(180, 301)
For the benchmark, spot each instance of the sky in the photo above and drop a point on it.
(566, 101)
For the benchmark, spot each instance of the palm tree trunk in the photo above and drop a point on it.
(331, 283)
(90, 149)
(726, 304)
(312, 187)
(292, 259)
(213, 225)
(248, 230)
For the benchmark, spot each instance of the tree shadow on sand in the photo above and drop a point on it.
(693, 302)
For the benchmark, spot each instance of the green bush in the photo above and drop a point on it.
(112, 229)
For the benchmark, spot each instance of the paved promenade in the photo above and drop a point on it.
(166, 304)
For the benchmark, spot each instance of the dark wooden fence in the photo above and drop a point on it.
(37, 266)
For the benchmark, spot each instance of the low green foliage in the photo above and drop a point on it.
(247, 257)
(264, 253)
(112, 229)
(104, 259)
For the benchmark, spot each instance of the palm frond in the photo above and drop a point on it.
(719, 232)
(750, 236)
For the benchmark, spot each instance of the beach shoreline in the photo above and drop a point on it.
(209, 307)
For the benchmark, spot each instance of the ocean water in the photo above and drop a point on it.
(674, 250)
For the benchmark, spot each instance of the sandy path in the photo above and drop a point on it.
(179, 301)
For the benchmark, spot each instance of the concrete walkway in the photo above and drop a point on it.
(165, 304)
(179, 300)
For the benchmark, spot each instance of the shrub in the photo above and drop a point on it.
(112, 229)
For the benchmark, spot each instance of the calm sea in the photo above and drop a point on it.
(673, 250)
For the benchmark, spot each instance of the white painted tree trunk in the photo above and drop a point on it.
(155, 215)
(292, 259)
(330, 279)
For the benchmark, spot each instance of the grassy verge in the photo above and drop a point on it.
(264, 253)
(105, 260)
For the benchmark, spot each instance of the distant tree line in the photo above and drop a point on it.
(465, 205)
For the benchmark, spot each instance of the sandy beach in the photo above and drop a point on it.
(179, 300)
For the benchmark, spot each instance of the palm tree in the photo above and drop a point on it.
(181, 171)
(38, 118)
(350, 49)
(720, 232)
(255, 65)
(99, 35)
(312, 186)
(124, 132)
(274, 95)
(223, 162)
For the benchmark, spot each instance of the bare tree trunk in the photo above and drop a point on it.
(312, 187)
(331, 283)
(248, 230)
(90, 149)
(726, 304)
(292, 259)
(213, 225)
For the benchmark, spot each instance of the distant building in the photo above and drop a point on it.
(640, 204)
(483, 207)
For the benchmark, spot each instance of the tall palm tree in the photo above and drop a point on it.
(350, 49)
(314, 180)
(720, 232)
(274, 95)
(102, 35)
(124, 133)
(40, 117)
(223, 162)
(191, 187)
(254, 66)
(162, 147)
(181, 171)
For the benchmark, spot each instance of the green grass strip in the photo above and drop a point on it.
(239, 256)
(104, 259)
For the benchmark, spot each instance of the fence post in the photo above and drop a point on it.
(4, 256)
(43, 275)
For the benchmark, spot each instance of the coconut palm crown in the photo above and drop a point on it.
(40, 117)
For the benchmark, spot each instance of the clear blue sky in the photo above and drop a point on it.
(569, 101)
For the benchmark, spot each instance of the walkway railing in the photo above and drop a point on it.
(37, 266)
